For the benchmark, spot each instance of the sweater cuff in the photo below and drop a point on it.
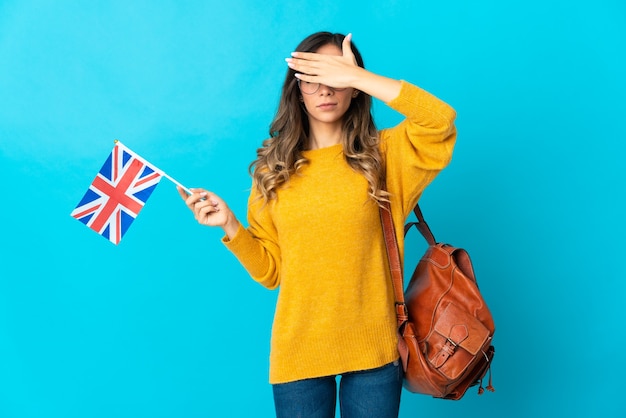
(237, 241)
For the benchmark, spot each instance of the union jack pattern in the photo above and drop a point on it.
(117, 194)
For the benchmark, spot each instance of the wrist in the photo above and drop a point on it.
(359, 78)
(231, 226)
(381, 87)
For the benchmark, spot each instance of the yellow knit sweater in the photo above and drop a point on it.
(321, 241)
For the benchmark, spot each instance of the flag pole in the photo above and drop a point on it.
(163, 173)
(175, 182)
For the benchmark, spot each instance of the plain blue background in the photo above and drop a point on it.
(167, 324)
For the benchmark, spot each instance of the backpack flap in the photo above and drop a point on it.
(457, 333)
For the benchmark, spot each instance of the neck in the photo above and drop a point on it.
(324, 135)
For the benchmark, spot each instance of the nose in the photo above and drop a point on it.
(325, 90)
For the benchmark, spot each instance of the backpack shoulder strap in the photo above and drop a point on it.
(421, 225)
(395, 265)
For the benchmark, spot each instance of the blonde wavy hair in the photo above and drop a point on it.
(280, 156)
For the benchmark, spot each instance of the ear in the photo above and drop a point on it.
(301, 98)
(355, 93)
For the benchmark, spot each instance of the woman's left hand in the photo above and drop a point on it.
(331, 70)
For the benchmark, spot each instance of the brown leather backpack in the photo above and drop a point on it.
(445, 327)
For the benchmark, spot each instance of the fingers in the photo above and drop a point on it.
(305, 64)
(201, 199)
(198, 199)
(182, 192)
(205, 207)
(311, 57)
(346, 49)
(324, 68)
(189, 198)
(208, 208)
(311, 66)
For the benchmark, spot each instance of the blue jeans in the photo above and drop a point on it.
(362, 394)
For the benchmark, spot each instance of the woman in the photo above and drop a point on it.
(314, 226)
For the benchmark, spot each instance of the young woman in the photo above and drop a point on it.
(314, 228)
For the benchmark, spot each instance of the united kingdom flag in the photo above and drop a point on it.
(117, 194)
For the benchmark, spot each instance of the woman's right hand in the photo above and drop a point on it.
(209, 209)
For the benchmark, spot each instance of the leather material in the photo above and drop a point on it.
(445, 327)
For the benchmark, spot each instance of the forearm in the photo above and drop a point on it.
(383, 88)
(258, 256)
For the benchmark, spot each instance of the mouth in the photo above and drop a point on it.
(327, 106)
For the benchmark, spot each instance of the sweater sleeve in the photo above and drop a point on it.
(256, 247)
(418, 148)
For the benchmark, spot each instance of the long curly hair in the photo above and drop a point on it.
(280, 156)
